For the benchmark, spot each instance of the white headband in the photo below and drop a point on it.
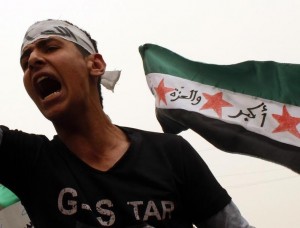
(64, 30)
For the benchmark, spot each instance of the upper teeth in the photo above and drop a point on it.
(41, 79)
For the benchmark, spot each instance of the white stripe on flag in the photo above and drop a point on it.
(253, 113)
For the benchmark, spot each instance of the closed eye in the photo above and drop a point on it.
(50, 48)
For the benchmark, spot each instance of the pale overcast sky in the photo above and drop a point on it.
(220, 32)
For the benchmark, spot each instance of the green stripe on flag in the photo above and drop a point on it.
(7, 197)
(266, 79)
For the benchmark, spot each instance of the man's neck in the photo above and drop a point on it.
(97, 142)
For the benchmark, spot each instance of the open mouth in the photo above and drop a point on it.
(48, 86)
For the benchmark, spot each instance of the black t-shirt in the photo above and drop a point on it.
(160, 181)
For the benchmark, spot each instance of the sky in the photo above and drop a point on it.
(214, 31)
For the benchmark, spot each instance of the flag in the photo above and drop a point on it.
(250, 108)
(7, 197)
(14, 216)
(12, 212)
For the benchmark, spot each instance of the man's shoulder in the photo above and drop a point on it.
(159, 141)
(151, 134)
(6, 132)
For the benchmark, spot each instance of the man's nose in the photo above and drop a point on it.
(36, 59)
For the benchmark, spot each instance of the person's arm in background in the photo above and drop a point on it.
(229, 217)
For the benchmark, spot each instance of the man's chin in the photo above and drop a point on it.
(53, 115)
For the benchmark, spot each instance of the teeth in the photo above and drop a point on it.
(41, 79)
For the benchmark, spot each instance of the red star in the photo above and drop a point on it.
(215, 102)
(287, 122)
(161, 91)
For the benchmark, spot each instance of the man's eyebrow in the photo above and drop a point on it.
(39, 44)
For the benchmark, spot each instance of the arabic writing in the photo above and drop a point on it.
(250, 113)
(57, 30)
(195, 96)
(60, 31)
(177, 94)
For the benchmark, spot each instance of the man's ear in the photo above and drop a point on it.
(96, 65)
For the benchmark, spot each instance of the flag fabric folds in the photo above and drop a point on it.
(250, 108)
